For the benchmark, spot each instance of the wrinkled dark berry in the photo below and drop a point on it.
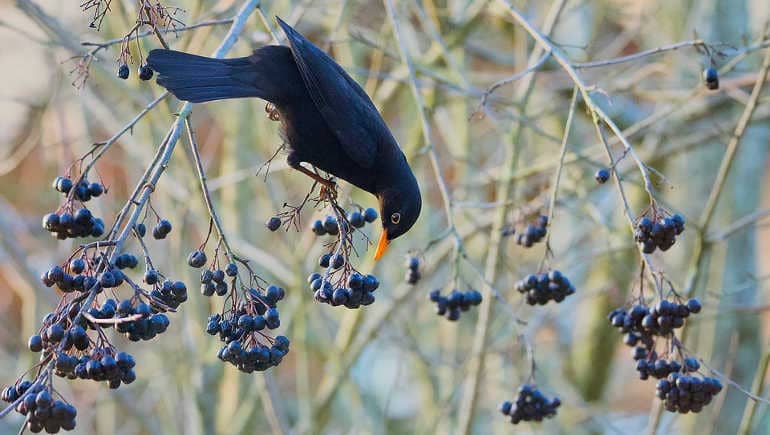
(145, 72)
(123, 71)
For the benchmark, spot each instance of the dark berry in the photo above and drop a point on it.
(323, 261)
(370, 283)
(145, 72)
(370, 215)
(318, 228)
(711, 77)
(123, 71)
(35, 343)
(273, 223)
(330, 225)
(337, 261)
(95, 189)
(196, 258)
(694, 305)
(356, 219)
(231, 270)
(602, 175)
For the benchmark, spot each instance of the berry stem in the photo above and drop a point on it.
(557, 177)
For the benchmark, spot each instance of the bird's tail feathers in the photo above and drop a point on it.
(198, 79)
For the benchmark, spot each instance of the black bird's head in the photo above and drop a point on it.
(400, 204)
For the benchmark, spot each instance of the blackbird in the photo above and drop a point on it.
(328, 120)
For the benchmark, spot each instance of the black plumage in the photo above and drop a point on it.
(329, 120)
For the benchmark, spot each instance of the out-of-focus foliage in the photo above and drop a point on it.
(395, 367)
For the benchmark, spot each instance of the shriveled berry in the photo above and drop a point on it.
(123, 71)
(196, 258)
(145, 72)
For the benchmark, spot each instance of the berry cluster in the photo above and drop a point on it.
(711, 78)
(242, 331)
(457, 301)
(160, 230)
(533, 233)
(66, 222)
(101, 365)
(40, 408)
(657, 368)
(357, 219)
(530, 405)
(214, 280)
(412, 270)
(66, 225)
(678, 386)
(640, 323)
(358, 290)
(84, 190)
(543, 287)
(685, 393)
(660, 233)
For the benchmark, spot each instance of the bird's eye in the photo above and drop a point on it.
(395, 218)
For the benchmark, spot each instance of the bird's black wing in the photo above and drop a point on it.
(344, 105)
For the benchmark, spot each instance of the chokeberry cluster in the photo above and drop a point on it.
(247, 345)
(543, 287)
(69, 222)
(711, 78)
(330, 224)
(412, 274)
(658, 232)
(83, 191)
(214, 280)
(642, 322)
(533, 233)
(358, 290)
(678, 385)
(683, 393)
(100, 365)
(452, 305)
(657, 368)
(530, 405)
(41, 410)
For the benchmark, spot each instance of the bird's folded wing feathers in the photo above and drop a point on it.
(344, 105)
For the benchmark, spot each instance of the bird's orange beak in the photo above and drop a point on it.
(382, 245)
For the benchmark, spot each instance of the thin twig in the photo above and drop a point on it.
(146, 33)
(557, 177)
(641, 54)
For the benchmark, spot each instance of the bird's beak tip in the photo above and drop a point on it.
(382, 245)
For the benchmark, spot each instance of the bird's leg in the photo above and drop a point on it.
(272, 112)
(324, 182)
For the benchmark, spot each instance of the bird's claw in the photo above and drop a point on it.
(329, 190)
